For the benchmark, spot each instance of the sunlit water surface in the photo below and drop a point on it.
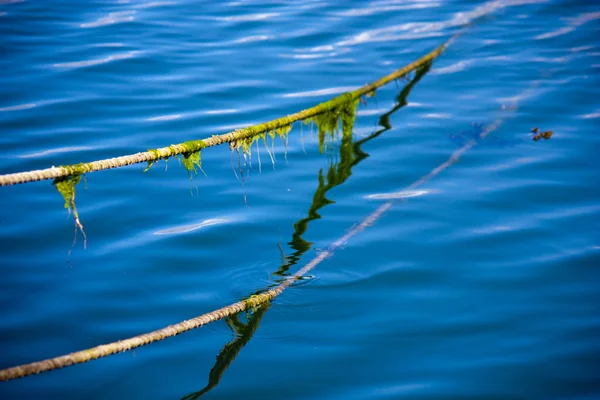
(482, 282)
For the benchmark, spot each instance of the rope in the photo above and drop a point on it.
(254, 301)
(104, 350)
(230, 137)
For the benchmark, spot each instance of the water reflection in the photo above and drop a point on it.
(337, 173)
(229, 352)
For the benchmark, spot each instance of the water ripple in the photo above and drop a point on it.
(168, 117)
(55, 151)
(590, 115)
(574, 23)
(18, 107)
(191, 227)
(154, 4)
(382, 7)
(414, 30)
(111, 19)
(450, 69)
(249, 17)
(321, 92)
(98, 61)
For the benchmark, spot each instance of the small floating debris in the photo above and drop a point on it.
(538, 135)
(404, 194)
(188, 228)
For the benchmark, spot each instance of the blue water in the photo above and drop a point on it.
(485, 285)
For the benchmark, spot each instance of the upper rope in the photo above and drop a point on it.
(195, 146)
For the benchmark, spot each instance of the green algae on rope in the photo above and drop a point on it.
(196, 145)
(328, 123)
(66, 187)
(83, 356)
(192, 162)
(350, 154)
(254, 302)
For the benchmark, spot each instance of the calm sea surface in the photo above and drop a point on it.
(483, 282)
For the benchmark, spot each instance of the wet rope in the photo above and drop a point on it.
(231, 137)
(252, 302)
(104, 350)
(247, 304)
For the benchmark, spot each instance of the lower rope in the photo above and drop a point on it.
(254, 301)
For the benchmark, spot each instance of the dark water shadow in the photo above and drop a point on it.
(230, 351)
(350, 154)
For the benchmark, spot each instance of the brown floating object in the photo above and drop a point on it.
(546, 135)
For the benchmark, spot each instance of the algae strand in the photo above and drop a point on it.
(66, 187)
